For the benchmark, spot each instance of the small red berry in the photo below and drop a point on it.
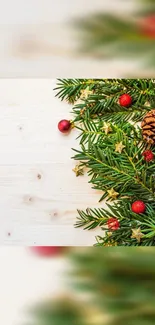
(138, 207)
(148, 155)
(147, 26)
(64, 126)
(125, 100)
(46, 251)
(113, 224)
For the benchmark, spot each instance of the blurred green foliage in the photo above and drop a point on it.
(112, 286)
(107, 35)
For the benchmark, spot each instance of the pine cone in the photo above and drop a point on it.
(148, 127)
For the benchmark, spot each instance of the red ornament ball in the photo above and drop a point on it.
(64, 126)
(113, 224)
(125, 100)
(46, 251)
(138, 207)
(148, 155)
(147, 26)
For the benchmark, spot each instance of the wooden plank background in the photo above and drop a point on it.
(39, 192)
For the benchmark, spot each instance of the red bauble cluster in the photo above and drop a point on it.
(125, 100)
(46, 251)
(113, 224)
(148, 155)
(147, 26)
(64, 126)
(138, 207)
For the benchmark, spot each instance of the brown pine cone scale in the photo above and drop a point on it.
(148, 127)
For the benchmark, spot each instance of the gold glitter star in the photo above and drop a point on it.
(136, 233)
(147, 104)
(106, 128)
(110, 243)
(78, 170)
(82, 111)
(119, 147)
(85, 93)
(112, 193)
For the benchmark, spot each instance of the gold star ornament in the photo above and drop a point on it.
(137, 234)
(106, 128)
(82, 111)
(119, 147)
(78, 170)
(110, 243)
(112, 193)
(85, 93)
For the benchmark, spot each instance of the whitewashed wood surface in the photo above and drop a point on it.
(39, 192)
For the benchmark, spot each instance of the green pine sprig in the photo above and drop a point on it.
(92, 218)
(104, 125)
(126, 171)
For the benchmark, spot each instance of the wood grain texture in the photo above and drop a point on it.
(39, 193)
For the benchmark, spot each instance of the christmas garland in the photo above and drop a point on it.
(116, 121)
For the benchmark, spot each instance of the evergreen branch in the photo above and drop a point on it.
(93, 130)
(113, 151)
(70, 89)
(92, 218)
(135, 115)
(109, 169)
(104, 99)
(121, 210)
(106, 89)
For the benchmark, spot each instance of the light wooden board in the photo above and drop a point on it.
(39, 193)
